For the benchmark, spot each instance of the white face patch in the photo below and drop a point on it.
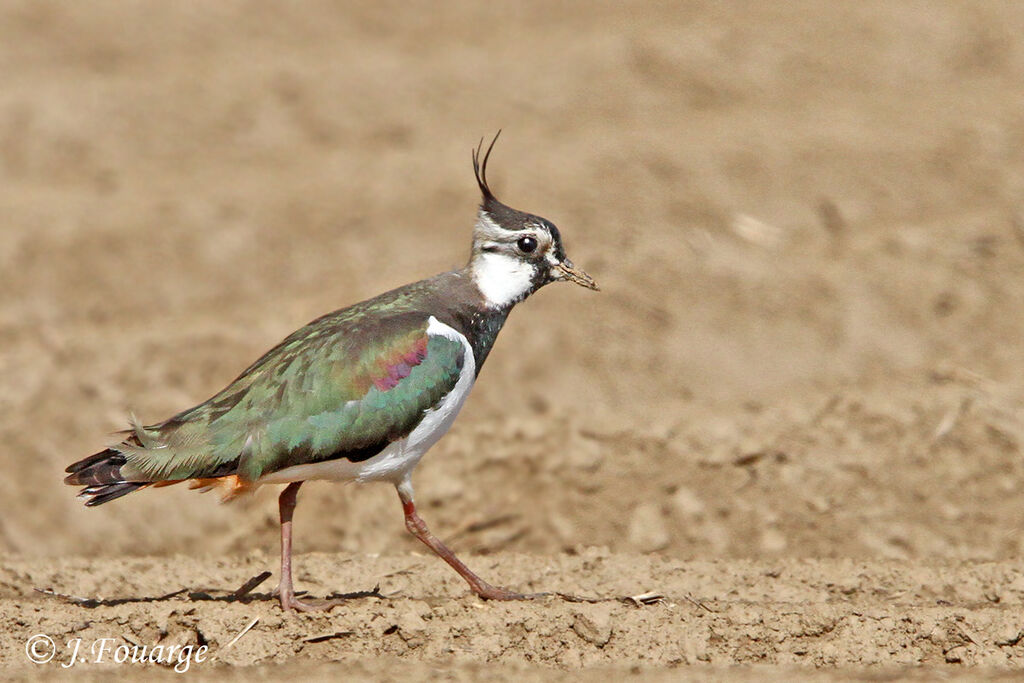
(501, 278)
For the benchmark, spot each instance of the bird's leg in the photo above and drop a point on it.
(286, 506)
(418, 528)
(285, 589)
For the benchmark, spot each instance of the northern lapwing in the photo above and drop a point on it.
(356, 395)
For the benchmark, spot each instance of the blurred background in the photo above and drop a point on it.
(806, 219)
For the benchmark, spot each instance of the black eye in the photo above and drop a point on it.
(526, 244)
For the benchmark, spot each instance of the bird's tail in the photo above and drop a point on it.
(100, 474)
(129, 466)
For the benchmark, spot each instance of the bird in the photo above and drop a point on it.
(359, 394)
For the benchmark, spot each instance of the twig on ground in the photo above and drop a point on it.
(250, 585)
(241, 633)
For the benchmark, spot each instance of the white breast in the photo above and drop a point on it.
(400, 457)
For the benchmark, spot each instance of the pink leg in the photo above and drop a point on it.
(418, 528)
(285, 589)
(286, 506)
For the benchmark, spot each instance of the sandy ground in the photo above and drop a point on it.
(798, 402)
(788, 613)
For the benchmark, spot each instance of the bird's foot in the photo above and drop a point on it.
(291, 603)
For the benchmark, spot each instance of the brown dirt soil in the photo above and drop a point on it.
(787, 613)
(798, 402)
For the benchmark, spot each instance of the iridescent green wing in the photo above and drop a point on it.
(342, 387)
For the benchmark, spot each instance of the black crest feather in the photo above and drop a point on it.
(480, 166)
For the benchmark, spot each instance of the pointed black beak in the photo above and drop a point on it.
(567, 271)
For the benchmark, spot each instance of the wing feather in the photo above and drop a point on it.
(333, 389)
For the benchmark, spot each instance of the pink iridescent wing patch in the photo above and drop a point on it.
(398, 364)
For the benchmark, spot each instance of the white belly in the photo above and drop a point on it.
(400, 457)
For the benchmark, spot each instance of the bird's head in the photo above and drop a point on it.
(515, 253)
